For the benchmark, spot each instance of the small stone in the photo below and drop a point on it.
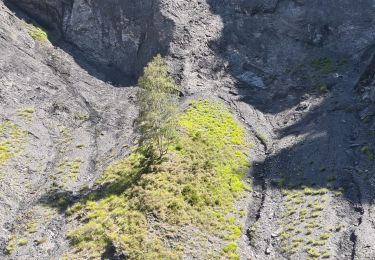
(302, 106)
(273, 235)
(268, 251)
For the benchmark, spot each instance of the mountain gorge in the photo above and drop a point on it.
(289, 82)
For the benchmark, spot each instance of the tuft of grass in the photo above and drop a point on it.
(340, 227)
(69, 168)
(5, 153)
(11, 245)
(310, 191)
(40, 240)
(12, 140)
(82, 117)
(331, 178)
(325, 236)
(26, 114)
(23, 241)
(323, 89)
(80, 146)
(37, 33)
(196, 185)
(366, 150)
(326, 254)
(323, 66)
(32, 228)
(312, 252)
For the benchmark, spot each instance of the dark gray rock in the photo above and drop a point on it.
(268, 59)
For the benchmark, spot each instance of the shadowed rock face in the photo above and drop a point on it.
(291, 69)
(121, 34)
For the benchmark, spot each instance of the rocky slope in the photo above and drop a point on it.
(298, 74)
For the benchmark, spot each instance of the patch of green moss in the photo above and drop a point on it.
(32, 228)
(195, 185)
(37, 33)
(26, 114)
(312, 252)
(323, 65)
(82, 117)
(5, 153)
(11, 246)
(323, 89)
(23, 241)
(12, 140)
(40, 240)
(366, 150)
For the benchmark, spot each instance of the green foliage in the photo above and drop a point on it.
(12, 139)
(11, 246)
(366, 150)
(5, 153)
(309, 204)
(323, 65)
(323, 88)
(37, 33)
(40, 240)
(26, 113)
(157, 101)
(69, 169)
(23, 241)
(82, 117)
(310, 191)
(312, 252)
(195, 185)
(32, 228)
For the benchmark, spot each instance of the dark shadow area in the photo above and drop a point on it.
(112, 51)
(280, 51)
(283, 55)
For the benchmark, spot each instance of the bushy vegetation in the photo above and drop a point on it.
(323, 65)
(37, 33)
(366, 150)
(26, 114)
(157, 101)
(193, 190)
(12, 139)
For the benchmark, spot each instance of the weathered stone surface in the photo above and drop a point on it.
(261, 57)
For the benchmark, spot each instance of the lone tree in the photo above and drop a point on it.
(157, 101)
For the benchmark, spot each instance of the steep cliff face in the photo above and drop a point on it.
(299, 75)
(121, 34)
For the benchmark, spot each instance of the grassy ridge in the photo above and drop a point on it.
(196, 185)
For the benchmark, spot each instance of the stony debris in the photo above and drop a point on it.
(298, 74)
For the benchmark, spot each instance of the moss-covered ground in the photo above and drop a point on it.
(140, 211)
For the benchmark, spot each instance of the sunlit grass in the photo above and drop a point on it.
(196, 185)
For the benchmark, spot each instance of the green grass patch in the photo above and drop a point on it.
(26, 114)
(323, 89)
(40, 240)
(11, 246)
(68, 168)
(312, 252)
(195, 186)
(366, 150)
(323, 65)
(37, 33)
(12, 140)
(23, 241)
